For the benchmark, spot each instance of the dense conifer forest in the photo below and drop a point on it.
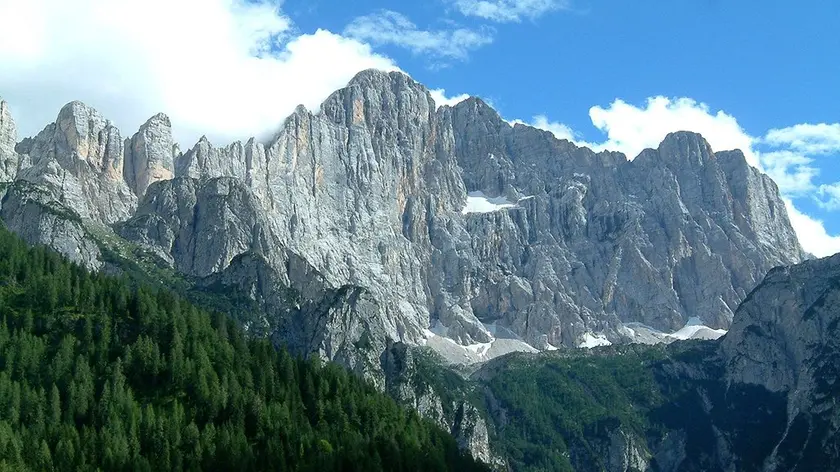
(100, 373)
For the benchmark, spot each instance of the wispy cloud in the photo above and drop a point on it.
(391, 28)
(829, 196)
(793, 172)
(507, 11)
(807, 138)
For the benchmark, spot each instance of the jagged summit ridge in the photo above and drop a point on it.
(370, 191)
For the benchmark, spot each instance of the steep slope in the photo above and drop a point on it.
(786, 339)
(9, 159)
(763, 398)
(370, 191)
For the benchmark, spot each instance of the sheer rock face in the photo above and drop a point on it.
(369, 192)
(149, 155)
(80, 159)
(200, 227)
(786, 338)
(677, 232)
(9, 159)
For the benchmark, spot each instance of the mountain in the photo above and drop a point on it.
(381, 227)
(448, 218)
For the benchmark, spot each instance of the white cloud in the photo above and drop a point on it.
(505, 11)
(829, 196)
(440, 98)
(226, 68)
(559, 130)
(811, 233)
(791, 171)
(807, 138)
(390, 27)
(631, 129)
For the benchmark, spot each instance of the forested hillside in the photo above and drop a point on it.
(99, 373)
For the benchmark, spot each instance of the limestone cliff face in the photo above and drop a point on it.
(200, 226)
(37, 216)
(370, 189)
(678, 232)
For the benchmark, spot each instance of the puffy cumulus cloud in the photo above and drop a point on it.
(807, 138)
(506, 11)
(784, 154)
(631, 129)
(389, 27)
(441, 99)
(226, 68)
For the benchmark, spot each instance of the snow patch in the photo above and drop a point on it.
(455, 353)
(695, 329)
(591, 340)
(477, 202)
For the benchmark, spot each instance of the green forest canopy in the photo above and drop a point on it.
(99, 374)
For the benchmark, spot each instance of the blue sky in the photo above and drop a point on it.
(758, 75)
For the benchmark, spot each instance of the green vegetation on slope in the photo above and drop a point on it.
(557, 406)
(97, 373)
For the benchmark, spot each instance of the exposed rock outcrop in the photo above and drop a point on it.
(786, 339)
(149, 155)
(37, 217)
(9, 159)
(370, 191)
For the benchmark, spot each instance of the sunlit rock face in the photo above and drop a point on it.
(447, 216)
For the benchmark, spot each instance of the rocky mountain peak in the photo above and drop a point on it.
(79, 161)
(374, 97)
(84, 134)
(681, 149)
